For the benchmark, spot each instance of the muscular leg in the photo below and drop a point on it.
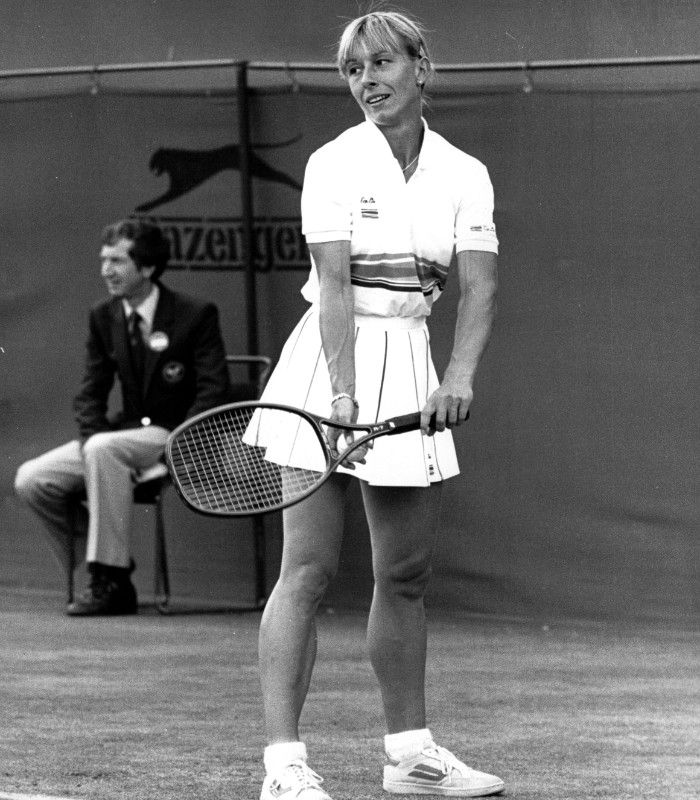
(403, 525)
(287, 647)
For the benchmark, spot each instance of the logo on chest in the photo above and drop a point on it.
(368, 207)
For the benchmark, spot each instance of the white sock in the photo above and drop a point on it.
(406, 744)
(280, 755)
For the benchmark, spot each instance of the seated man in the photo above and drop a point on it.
(167, 350)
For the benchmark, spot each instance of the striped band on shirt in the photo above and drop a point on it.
(400, 272)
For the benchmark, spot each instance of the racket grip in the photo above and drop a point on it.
(411, 422)
(404, 423)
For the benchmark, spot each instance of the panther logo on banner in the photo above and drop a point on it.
(216, 243)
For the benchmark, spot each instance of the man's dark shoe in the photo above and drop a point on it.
(111, 593)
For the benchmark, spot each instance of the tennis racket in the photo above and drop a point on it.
(253, 458)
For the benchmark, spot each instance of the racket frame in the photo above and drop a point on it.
(389, 427)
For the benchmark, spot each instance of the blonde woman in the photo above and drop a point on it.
(389, 208)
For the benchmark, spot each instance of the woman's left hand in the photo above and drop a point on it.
(446, 407)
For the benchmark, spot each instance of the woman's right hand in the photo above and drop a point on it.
(337, 327)
(344, 411)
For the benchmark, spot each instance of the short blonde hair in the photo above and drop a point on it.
(382, 30)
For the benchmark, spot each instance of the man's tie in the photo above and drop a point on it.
(138, 349)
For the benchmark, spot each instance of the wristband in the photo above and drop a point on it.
(341, 395)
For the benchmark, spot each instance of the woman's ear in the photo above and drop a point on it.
(422, 70)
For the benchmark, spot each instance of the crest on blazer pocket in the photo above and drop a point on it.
(173, 372)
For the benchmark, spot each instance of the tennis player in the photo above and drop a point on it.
(389, 210)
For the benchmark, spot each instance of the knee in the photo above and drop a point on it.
(307, 582)
(26, 481)
(97, 445)
(407, 578)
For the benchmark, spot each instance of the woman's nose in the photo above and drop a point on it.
(368, 76)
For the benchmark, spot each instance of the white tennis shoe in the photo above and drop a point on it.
(297, 781)
(436, 771)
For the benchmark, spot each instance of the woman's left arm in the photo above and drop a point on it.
(478, 280)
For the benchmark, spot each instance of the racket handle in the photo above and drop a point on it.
(410, 422)
(406, 422)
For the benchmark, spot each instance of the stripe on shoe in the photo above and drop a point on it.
(427, 773)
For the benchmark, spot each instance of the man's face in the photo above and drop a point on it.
(121, 275)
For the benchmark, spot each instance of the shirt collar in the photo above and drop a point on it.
(383, 151)
(146, 308)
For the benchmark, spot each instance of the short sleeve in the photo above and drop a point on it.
(474, 228)
(326, 212)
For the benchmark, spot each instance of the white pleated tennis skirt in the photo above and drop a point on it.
(394, 374)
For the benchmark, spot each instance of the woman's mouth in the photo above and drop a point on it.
(376, 98)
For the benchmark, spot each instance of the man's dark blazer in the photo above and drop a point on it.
(184, 373)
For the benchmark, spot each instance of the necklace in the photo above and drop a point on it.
(410, 163)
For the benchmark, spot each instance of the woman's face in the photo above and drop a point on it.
(385, 85)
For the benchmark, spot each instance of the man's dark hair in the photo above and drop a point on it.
(150, 247)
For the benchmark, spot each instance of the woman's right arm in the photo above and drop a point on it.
(337, 324)
(337, 313)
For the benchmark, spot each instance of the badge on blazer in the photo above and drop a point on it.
(158, 341)
(173, 372)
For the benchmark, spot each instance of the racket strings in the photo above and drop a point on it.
(221, 464)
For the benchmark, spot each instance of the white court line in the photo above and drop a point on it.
(16, 796)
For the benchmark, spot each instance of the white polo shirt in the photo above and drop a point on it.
(403, 236)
